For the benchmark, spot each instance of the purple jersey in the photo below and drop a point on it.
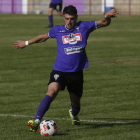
(56, 1)
(71, 56)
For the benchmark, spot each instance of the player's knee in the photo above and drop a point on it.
(59, 13)
(50, 11)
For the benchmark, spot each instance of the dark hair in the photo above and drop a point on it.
(71, 10)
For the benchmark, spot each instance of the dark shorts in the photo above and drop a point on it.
(57, 7)
(73, 81)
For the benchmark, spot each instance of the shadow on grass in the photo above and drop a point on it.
(61, 134)
(109, 122)
(105, 122)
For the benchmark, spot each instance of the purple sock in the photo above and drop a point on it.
(51, 20)
(75, 110)
(43, 107)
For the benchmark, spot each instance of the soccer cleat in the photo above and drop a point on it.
(33, 125)
(75, 120)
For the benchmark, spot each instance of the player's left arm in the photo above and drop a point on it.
(107, 20)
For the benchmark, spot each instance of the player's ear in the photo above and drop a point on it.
(63, 16)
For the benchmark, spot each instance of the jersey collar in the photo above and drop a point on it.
(76, 27)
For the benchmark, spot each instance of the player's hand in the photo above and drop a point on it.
(112, 13)
(19, 44)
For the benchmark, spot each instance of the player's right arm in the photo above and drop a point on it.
(38, 39)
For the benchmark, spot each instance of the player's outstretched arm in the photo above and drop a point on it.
(22, 44)
(106, 21)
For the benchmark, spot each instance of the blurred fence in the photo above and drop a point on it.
(90, 6)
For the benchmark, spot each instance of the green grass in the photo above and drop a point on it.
(111, 99)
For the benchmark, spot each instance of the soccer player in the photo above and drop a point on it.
(70, 62)
(54, 5)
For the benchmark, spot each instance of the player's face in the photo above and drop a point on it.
(70, 20)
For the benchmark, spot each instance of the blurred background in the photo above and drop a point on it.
(83, 6)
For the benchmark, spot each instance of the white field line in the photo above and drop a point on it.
(99, 121)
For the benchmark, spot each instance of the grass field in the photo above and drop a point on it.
(111, 99)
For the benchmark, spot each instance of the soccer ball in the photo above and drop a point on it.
(48, 128)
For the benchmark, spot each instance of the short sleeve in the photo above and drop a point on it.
(52, 33)
(90, 25)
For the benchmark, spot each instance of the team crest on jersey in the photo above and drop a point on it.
(72, 38)
(56, 76)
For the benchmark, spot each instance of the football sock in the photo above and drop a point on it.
(51, 20)
(43, 107)
(75, 110)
